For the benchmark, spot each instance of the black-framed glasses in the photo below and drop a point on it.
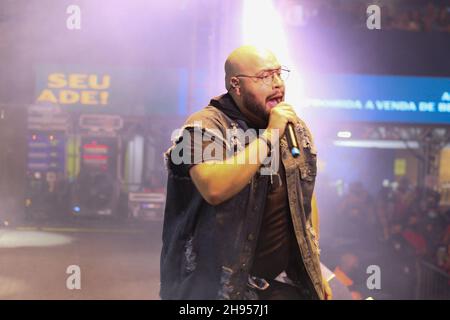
(267, 76)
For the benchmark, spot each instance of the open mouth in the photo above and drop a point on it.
(273, 101)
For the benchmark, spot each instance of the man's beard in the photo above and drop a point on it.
(255, 110)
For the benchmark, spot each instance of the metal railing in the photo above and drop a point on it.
(432, 282)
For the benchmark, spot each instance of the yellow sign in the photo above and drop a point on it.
(400, 167)
(76, 88)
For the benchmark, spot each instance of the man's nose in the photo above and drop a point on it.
(277, 82)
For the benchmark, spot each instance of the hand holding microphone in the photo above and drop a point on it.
(282, 118)
(292, 140)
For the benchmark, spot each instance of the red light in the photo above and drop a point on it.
(33, 137)
(51, 137)
(94, 157)
(95, 146)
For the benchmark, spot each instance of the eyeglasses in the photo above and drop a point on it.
(267, 76)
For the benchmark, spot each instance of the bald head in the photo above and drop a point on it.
(247, 60)
(253, 95)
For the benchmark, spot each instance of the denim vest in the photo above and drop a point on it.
(208, 250)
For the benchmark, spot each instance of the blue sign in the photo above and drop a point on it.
(373, 98)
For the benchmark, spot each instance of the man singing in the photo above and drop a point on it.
(236, 226)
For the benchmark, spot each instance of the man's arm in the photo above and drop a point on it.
(219, 181)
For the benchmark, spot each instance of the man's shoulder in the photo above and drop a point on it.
(305, 135)
(208, 117)
(301, 124)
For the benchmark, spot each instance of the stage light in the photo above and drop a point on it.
(262, 26)
(344, 134)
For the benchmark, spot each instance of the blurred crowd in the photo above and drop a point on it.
(400, 225)
(400, 211)
(428, 16)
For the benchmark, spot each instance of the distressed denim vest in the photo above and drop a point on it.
(208, 250)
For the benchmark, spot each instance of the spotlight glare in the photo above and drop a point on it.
(344, 134)
(262, 26)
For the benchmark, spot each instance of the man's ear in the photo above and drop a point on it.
(235, 84)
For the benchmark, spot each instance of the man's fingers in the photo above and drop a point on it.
(285, 108)
(286, 112)
(328, 293)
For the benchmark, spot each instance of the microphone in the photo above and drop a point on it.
(292, 140)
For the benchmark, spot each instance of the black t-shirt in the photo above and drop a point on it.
(276, 234)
